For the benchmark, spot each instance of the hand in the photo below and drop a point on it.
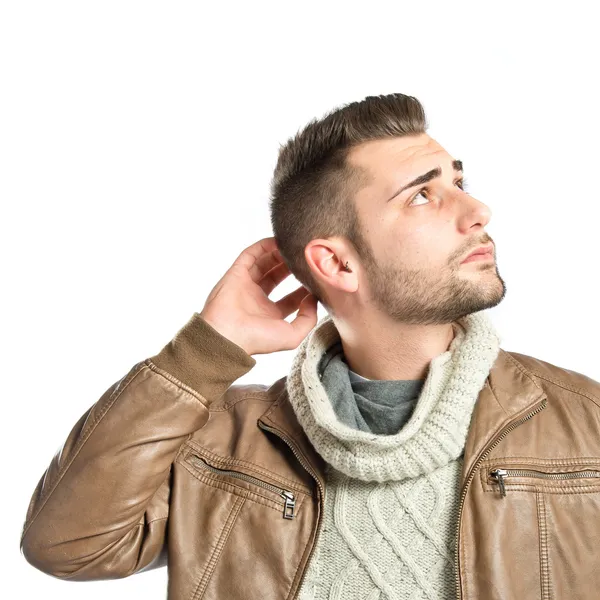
(238, 307)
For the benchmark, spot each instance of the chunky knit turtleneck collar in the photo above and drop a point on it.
(437, 429)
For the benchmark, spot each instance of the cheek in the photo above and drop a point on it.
(412, 245)
(418, 247)
(423, 249)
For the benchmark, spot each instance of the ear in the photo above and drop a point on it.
(327, 259)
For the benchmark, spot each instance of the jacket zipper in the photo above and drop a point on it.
(307, 466)
(501, 474)
(482, 457)
(289, 498)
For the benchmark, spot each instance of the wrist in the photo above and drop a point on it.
(225, 332)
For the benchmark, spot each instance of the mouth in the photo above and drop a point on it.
(479, 257)
(484, 253)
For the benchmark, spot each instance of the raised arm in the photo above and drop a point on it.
(100, 509)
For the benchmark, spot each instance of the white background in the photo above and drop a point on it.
(137, 143)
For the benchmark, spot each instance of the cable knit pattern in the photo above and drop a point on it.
(392, 540)
(391, 501)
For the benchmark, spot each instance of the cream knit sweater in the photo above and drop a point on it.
(391, 501)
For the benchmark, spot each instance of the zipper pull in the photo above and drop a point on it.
(499, 475)
(290, 504)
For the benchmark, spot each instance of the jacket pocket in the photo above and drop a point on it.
(287, 498)
(555, 481)
(547, 515)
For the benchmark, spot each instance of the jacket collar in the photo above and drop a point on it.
(510, 391)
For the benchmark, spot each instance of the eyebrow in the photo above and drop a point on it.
(456, 165)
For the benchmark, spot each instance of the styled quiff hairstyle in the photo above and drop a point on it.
(313, 186)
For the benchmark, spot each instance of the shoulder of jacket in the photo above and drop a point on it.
(549, 373)
(237, 393)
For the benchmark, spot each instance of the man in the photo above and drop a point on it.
(405, 455)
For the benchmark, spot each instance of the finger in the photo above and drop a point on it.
(306, 319)
(273, 278)
(289, 303)
(259, 258)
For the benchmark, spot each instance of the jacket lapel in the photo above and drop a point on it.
(510, 391)
(281, 416)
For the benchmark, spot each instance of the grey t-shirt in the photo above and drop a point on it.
(379, 406)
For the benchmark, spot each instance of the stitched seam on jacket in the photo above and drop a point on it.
(212, 563)
(462, 547)
(487, 382)
(258, 468)
(543, 543)
(289, 435)
(253, 495)
(275, 403)
(560, 383)
(532, 488)
(571, 388)
(463, 580)
(574, 461)
(522, 368)
(511, 461)
(251, 396)
(172, 379)
(303, 561)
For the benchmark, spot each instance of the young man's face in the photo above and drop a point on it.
(420, 236)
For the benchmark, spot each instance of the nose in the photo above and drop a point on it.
(475, 212)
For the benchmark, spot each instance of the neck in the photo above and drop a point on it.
(383, 349)
(437, 429)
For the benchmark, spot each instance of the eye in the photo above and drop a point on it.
(461, 183)
(416, 196)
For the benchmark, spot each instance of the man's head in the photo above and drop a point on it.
(348, 189)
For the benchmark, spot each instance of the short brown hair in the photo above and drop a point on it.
(313, 184)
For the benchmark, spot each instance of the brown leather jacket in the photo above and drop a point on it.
(175, 461)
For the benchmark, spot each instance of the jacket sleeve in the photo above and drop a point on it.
(101, 508)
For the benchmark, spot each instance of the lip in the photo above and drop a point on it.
(485, 253)
(475, 257)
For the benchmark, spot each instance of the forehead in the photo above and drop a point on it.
(396, 160)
